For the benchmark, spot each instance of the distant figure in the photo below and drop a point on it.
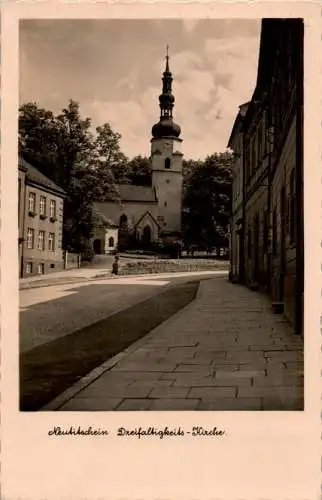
(115, 267)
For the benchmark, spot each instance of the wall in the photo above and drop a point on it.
(133, 211)
(111, 233)
(52, 260)
(21, 200)
(256, 200)
(237, 208)
(168, 182)
(285, 165)
(21, 212)
(255, 251)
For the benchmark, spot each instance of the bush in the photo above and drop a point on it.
(87, 255)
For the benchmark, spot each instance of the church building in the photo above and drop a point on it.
(148, 215)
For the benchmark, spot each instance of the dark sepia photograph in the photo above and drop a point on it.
(160, 215)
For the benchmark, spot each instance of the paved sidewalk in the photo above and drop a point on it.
(224, 351)
(62, 277)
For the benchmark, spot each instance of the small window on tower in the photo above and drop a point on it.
(167, 163)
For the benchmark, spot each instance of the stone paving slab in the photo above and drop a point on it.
(226, 351)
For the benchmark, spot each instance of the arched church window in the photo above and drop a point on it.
(167, 163)
(123, 220)
(111, 242)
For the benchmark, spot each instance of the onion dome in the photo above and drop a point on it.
(166, 127)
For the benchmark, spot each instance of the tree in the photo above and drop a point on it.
(139, 171)
(53, 144)
(207, 201)
(75, 141)
(63, 148)
(188, 168)
(109, 154)
(38, 137)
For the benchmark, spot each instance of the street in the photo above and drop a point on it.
(226, 347)
(51, 312)
(68, 330)
(224, 351)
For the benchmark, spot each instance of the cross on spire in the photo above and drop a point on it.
(167, 58)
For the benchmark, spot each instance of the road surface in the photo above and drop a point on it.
(55, 311)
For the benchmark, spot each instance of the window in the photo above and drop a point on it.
(41, 240)
(52, 209)
(28, 267)
(30, 237)
(51, 242)
(167, 163)
(31, 202)
(41, 268)
(111, 242)
(165, 203)
(42, 206)
(167, 181)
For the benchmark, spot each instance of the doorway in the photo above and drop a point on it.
(146, 237)
(97, 246)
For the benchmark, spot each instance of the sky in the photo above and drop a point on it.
(113, 68)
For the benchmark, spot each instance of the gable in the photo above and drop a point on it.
(146, 218)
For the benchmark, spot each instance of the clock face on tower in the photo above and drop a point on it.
(167, 145)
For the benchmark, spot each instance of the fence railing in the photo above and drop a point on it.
(71, 260)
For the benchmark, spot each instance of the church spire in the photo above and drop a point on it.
(166, 99)
(166, 126)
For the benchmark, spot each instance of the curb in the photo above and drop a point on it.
(29, 286)
(67, 281)
(84, 382)
(219, 272)
(32, 285)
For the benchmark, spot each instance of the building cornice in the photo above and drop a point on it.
(47, 189)
(166, 137)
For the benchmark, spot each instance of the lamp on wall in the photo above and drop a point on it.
(240, 226)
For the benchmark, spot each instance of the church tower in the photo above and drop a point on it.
(166, 162)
